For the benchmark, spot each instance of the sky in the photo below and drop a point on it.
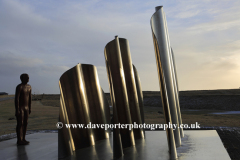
(46, 38)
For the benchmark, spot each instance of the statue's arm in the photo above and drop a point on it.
(30, 100)
(17, 95)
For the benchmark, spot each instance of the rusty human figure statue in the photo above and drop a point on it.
(23, 100)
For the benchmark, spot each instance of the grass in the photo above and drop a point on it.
(41, 118)
(5, 96)
(203, 117)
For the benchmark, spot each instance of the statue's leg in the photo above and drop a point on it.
(25, 122)
(20, 127)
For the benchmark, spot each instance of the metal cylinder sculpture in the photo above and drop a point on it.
(166, 80)
(177, 93)
(82, 102)
(118, 92)
(124, 90)
(96, 101)
(139, 93)
(131, 87)
(174, 78)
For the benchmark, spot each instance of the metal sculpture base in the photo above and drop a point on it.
(196, 145)
(102, 150)
(41, 146)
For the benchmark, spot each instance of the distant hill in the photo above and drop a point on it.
(222, 99)
(3, 93)
(198, 92)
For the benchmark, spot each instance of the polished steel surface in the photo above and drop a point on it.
(95, 100)
(161, 45)
(118, 92)
(131, 87)
(171, 86)
(196, 145)
(202, 144)
(75, 104)
(65, 141)
(139, 93)
(176, 92)
(173, 69)
(102, 150)
(42, 146)
(117, 142)
(82, 101)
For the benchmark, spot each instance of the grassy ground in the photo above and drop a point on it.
(203, 117)
(41, 118)
(5, 96)
(45, 115)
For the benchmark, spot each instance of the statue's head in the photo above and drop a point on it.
(24, 78)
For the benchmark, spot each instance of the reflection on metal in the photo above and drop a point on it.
(117, 140)
(73, 94)
(126, 94)
(95, 100)
(165, 72)
(176, 92)
(82, 102)
(122, 138)
(171, 89)
(65, 140)
(139, 93)
(131, 87)
(101, 150)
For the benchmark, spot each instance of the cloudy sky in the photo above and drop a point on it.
(46, 38)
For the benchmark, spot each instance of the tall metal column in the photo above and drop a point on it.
(177, 93)
(131, 87)
(161, 45)
(117, 141)
(139, 93)
(118, 90)
(173, 69)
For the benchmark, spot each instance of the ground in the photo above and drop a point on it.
(42, 117)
